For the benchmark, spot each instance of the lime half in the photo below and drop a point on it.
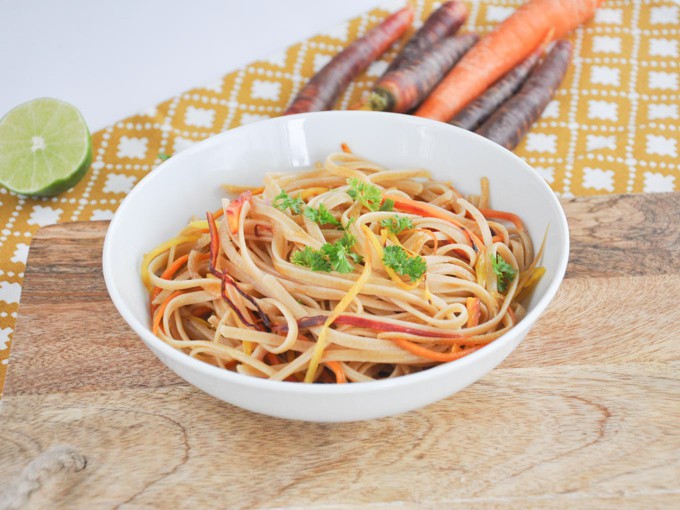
(45, 147)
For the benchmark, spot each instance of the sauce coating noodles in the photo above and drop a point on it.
(347, 272)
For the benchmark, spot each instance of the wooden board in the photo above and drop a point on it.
(584, 414)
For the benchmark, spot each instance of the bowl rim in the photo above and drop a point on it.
(153, 342)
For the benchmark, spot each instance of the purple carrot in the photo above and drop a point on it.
(403, 89)
(511, 122)
(485, 105)
(443, 22)
(323, 90)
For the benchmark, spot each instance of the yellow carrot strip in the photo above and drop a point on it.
(341, 306)
(484, 196)
(390, 272)
(312, 192)
(148, 257)
(199, 224)
(236, 189)
(529, 283)
(480, 268)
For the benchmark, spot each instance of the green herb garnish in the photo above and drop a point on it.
(163, 156)
(322, 216)
(366, 194)
(387, 205)
(283, 201)
(311, 258)
(397, 224)
(396, 258)
(331, 256)
(505, 273)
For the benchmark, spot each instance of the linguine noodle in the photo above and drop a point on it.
(347, 272)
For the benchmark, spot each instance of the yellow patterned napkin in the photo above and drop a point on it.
(612, 128)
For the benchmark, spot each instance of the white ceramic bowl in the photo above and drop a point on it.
(189, 184)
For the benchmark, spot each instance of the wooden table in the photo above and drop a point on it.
(584, 414)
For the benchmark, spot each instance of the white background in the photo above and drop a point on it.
(114, 58)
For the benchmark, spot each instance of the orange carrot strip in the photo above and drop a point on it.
(503, 215)
(169, 273)
(426, 353)
(338, 371)
(272, 358)
(161, 310)
(510, 43)
(473, 309)
(200, 311)
(234, 210)
(345, 148)
(411, 206)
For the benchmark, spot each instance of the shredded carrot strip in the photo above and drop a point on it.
(426, 353)
(484, 196)
(527, 285)
(473, 309)
(345, 148)
(341, 306)
(272, 358)
(338, 371)
(160, 249)
(169, 273)
(214, 240)
(480, 268)
(234, 188)
(200, 311)
(390, 272)
(199, 225)
(312, 192)
(503, 215)
(161, 310)
(411, 206)
(217, 214)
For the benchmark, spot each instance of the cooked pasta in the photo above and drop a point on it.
(346, 272)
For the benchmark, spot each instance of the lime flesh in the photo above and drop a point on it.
(45, 147)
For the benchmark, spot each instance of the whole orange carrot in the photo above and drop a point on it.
(325, 87)
(510, 43)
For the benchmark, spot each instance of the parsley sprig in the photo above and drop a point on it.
(397, 224)
(396, 258)
(505, 273)
(322, 216)
(368, 195)
(311, 258)
(283, 201)
(331, 257)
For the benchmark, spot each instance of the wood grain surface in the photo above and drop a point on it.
(584, 414)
